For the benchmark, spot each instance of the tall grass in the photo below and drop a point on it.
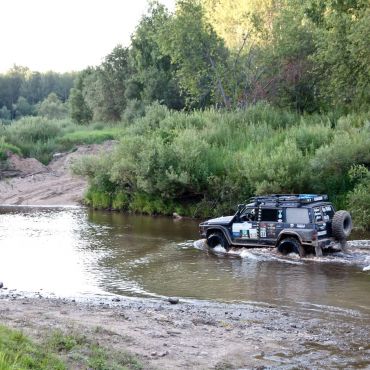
(39, 137)
(59, 351)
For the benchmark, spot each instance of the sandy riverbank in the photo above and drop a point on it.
(35, 184)
(197, 335)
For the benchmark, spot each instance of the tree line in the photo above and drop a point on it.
(26, 93)
(309, 56)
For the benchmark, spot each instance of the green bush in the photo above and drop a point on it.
(134, 109)
(204, 163)
(120, 201)
(34, 136)
(331, 163)
(5, 147)
(98, 199)
(32, 129)
(358, 201)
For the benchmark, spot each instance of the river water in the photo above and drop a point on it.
(79, 252)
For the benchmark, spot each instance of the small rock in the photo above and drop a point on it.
(1, 284)
(57, 155)
(116, 299)
(163, 354)
(173, 332)
(361, 348)
(173, 300)
(176, 216)
(153, 354)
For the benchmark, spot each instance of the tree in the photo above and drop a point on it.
(198, 53)
(5, 114)
(53, 108)
(20, 89)
(342, 55)
(234, 20)
(282, 66)
(104, 87)
(23, 108)
(32, 88)
(10, 87)
(80, 112)
(153, 74)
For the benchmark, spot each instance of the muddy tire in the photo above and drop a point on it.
(217, 238)
(291, 245)
(341, 225)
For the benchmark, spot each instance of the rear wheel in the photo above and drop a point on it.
(217, 238)
(291, 245)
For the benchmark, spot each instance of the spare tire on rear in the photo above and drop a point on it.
(341, 225)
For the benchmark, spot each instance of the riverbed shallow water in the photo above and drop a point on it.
(74, 251)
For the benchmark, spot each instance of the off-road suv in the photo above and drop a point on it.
(301, 223)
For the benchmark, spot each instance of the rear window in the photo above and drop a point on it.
(297, 216)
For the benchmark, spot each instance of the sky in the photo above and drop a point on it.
(65, 35)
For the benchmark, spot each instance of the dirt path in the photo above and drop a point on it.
(36, 184)
(200, 336)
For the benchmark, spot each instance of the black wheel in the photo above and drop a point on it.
(217, 238)
(291, 245)
(341, 225)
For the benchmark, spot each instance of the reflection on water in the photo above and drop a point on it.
(76, 251)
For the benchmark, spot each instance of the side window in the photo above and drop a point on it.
(272, 215)
(250, 214)
(327, 212)
(297, 216)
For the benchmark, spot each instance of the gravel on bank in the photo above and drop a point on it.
(199, 335)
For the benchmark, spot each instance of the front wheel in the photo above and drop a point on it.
(291, 245)
(217, 238)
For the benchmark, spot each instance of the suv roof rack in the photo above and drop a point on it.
(292, 200)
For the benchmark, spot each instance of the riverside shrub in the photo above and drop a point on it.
(203, 163)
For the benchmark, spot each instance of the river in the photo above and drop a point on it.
(74, 251)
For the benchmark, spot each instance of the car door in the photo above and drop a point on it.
(270, 224)
(245, 229)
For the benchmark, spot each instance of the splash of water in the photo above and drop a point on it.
(357, 255)
(219, 249)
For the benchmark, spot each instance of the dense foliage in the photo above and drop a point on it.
(204, 163)
(309, 56)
